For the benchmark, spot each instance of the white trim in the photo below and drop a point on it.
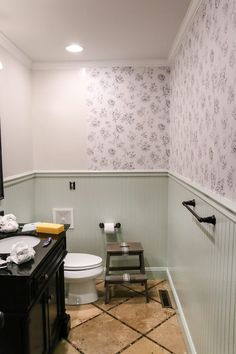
(87, 173)
(88, 64)
(156, 269)
(192, 9)
(11, 180)
(223, 205)
(14, 51)
(181, 314)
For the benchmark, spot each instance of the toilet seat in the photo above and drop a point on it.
(81, 262)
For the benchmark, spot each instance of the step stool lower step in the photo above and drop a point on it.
(125, 278)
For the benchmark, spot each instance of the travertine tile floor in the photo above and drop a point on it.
(126, 325)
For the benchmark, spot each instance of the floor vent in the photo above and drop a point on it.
(165, 299)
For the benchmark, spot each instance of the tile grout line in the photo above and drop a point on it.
(75, 347)
(142, 334)
(129, 345)
(138, 332)
(145, 335)
(89, 319)
(143, 292)
(139, 293)
(127, 325)
(106, 312)
(159, 324)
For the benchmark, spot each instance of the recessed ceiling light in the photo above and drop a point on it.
(74, 48)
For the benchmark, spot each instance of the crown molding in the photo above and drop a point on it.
(188, 18)
(100, 63)
(14, 51)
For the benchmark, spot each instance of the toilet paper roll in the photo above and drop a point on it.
(109, 228)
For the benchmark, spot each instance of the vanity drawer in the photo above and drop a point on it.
(50, 265)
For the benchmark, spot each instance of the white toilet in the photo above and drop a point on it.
(80, 271)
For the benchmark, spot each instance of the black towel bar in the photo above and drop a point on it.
(209, 219)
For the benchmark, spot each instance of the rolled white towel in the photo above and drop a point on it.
(8, 223)
(9, 217)
(21, 253)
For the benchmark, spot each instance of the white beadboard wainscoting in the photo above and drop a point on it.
(202, 268)
(19, 196)
(136, 200)
(200, 259)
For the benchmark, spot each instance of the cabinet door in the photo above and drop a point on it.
(37, 328)
(11, 341)
(53, 310)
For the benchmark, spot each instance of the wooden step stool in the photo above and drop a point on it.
(125, 249)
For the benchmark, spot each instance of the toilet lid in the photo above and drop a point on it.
(79, 261)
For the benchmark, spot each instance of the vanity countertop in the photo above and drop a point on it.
(27, 269)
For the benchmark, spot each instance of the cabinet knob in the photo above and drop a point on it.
(44, 277)
(50, 298)
(2, 321)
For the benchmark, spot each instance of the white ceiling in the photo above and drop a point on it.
(107, 29)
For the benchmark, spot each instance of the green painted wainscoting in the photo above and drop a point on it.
(202, 268)
(137, 200)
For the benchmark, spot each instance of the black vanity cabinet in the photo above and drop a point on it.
(32, 305)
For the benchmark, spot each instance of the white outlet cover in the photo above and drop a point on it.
(63, 216)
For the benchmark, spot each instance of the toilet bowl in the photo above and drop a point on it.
(80, 271)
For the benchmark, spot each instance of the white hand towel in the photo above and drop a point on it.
(21, 253)
(8, 223)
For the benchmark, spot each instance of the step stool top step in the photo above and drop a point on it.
(114, 247)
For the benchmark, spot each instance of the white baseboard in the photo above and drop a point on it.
(155, 269)
(181, 315)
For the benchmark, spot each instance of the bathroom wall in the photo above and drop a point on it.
(202, 265)
(137, 200)
(201, 257)
(59, 120)
(113, 118)
(104, 119)
(15, 114)
(203, 102)
(16, 133)
(19, 198)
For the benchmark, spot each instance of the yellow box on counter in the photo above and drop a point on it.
(49, 228)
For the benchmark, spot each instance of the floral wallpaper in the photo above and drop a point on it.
(203, 100)
(128, 118)
(135, 122)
